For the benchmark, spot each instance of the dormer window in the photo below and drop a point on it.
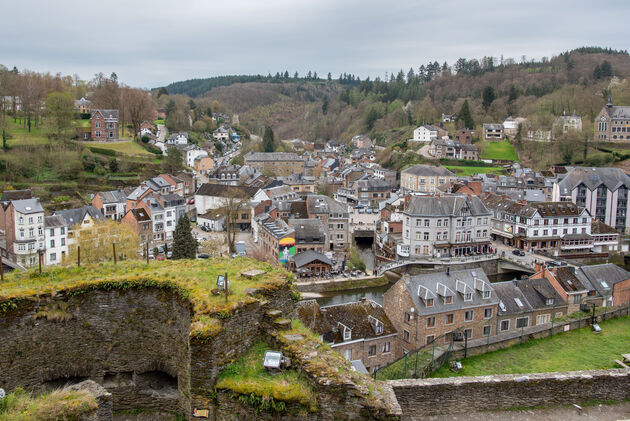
(347, 334)
(487, 294)
(549, 301)
(429, 302)
(448, 299)
(379, 328)
(468, 296)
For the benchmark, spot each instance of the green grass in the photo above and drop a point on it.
(193, 280)
(247, 375)
(464, 171)
(398, 370)
(571, 351)
(156, 122)
(130, 148)
(498, 150)
(56, 405)
(19, 135)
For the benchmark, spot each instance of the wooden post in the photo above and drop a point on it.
(78, 255)
(114, 248)
(39, 252)
(147, 252)
(226, 287)
(1, 269)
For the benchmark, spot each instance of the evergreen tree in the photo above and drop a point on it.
(184, 245)
(488, 97)
(325, 106)
(268, 143)
(329, 76)
(465, 116)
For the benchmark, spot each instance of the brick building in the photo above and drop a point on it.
(430, 306)
(140, 221)
(612, 123)
(358, 331)
(104, 125)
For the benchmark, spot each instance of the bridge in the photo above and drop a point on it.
(505, 263)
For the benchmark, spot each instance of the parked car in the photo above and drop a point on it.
(203, 256)
(518, 252)
(191, 201)
(160, 257)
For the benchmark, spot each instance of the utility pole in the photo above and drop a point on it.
(114, 250)
(78, 255)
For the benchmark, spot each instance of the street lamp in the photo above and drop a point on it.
(584, 307)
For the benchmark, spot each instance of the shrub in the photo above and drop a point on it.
(102, 151)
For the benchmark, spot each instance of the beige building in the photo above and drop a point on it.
(276, 163)
(612, 123)
(425, 178)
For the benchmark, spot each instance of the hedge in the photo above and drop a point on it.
(102, 151)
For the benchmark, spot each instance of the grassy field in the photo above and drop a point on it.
(19, 135)
(130, 148)
(498, 150)
(463, 171)
(56, 405)
(575, 350)
(247, 375)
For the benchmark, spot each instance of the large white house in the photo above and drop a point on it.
(56, 234)
(425, 133)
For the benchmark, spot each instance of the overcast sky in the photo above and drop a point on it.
(153, 43)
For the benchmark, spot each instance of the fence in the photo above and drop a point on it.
(424, 361)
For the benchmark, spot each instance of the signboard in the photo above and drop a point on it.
(286, 249)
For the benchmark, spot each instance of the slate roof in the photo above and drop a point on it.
(612, 178)
(512, 299)
(358, 316)
(54, 221)
(493, 126)
(608, 273)
(617, 111)
(114, 196)
(221, 190)
(140, 214)
(308, 230)
(76, 216)
(320, 204)
(598, 227)
(28, 206)
(309, 256)
(428, 171)
(107, 114)
(537, 291)
(444, 206)
(567, 279)
(454, 283)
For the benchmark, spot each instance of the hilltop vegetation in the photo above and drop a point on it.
(341, 107)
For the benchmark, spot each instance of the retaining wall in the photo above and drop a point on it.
(424, 397)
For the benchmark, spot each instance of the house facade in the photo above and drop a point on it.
(23, 224)
(612, 123)
(56, 233)
(445, 226)
(425, 178)
(112, 204)
(493, 132)
(104, 125)
(335, 219)
(276, 163)
(429, 307)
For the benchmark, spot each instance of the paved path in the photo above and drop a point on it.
(162, 131)
(424, 151)
(569, 413)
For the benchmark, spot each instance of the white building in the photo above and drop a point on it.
(222, 133)
(56, 234)
(23, 221)
(180, 138)
(192, 152)
(425, 133)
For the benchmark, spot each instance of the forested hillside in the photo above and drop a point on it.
(313, 108)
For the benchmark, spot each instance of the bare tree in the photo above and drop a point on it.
(31, 94)
(234, 202)
(137, 106)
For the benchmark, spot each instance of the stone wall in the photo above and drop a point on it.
(103, 412)
(420, 398)
(132, 342)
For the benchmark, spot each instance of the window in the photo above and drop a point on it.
(486, 330)
(487, 313)
(468, 316)
(468, 296)
(347, 334)
(426, 222)
(379, 328)
(449, 318)
(468, 333)
(21, 247)
(426, 236)
(372, 350)
(522, 322)
(576, 299)
(405, 336)
(63, 241)
(429, 302)
(53, 257)
(348, 354)
(448, 299)
(549, 301)
(386, 347)
(430, 339)
(52, 243)
(543, 318)
(62, 230)
(505, 325)
(30, 219)
(407, 317)
(430, 322)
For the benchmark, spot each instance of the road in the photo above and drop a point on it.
(528, 259)
(162, 131)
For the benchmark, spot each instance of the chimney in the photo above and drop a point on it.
(539, 266)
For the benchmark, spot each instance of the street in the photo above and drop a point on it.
(528, 259)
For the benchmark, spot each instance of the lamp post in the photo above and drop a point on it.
(40, 252)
